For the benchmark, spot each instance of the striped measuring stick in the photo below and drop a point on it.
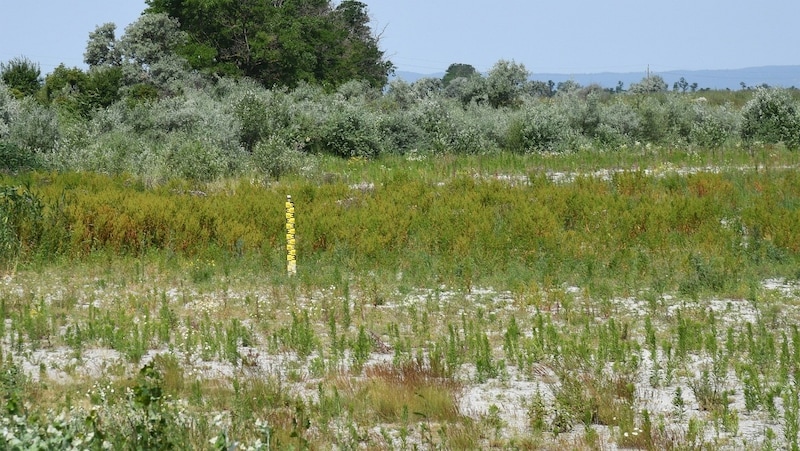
(291, 250)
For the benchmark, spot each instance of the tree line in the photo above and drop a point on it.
(203, 90)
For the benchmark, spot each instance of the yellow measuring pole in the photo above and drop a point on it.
(291, 251)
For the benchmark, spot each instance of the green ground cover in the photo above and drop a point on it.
(644, 298)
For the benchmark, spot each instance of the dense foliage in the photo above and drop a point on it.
(634, 229)
(280, 43)
(22, 75)
(97, 121)
(149, 106)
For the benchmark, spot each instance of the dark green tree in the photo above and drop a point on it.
(279, 42)
(22, 76)
(64, 81)
(79, 92)
(458, 70)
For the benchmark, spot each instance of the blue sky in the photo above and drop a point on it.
(427, 35)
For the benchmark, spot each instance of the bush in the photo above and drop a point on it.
(771, 116)
(468, 90)
(654, 126)
(357, 90)
(447, 127)
(398, 132)
(538, 128)
(276, 158)
(261, 113)
(619, 124)
(14, 159)
(22, 76)
(252, 112)
(582, 110)
(34, 128)
(348, 131)
(115, 152)
(713, 126)
(505, 83)
(401, 94)
(194, 159)
(680, 116)
(199, 116)
(9, 108)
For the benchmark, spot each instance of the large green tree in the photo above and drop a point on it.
(279, 42)
(22, 76)
(459, 70)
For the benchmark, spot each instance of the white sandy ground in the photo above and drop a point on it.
(664, 169)
(507, 396)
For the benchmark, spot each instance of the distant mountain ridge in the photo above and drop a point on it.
(778, 76)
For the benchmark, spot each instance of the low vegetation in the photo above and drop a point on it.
(501, 301)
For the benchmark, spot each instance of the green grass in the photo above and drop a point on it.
(424, 289)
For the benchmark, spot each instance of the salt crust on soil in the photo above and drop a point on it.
(508, 396)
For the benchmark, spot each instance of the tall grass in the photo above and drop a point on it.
(625, 230)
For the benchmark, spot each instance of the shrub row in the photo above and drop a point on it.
(233, 128)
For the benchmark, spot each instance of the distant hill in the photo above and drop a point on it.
(780, 76)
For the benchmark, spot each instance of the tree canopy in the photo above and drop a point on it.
(459, 70)
(279, 42)
(22, 75)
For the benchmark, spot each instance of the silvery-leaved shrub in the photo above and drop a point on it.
(446, 127)
(582, 108)
(191, 158)
(468, 90)
(771, 116)
(398, 132)
(400, 93)
(680, 117)
(106, 143)
(538, 127)
(198, 115)
(13, 157)
(505, 83)
(348, 131)
(275, 158)
(306, 92)
(714, 126)
(465, 136)
(357, 90)
(148, 54)
(653, 127)
(619, 124)
(426, 88)
(115, 152)
(261, 113)
(486, 127)
(34, 127)
(9, 107)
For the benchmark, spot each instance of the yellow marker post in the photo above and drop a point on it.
(291, 251)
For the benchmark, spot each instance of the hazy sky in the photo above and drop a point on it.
(428, 35)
